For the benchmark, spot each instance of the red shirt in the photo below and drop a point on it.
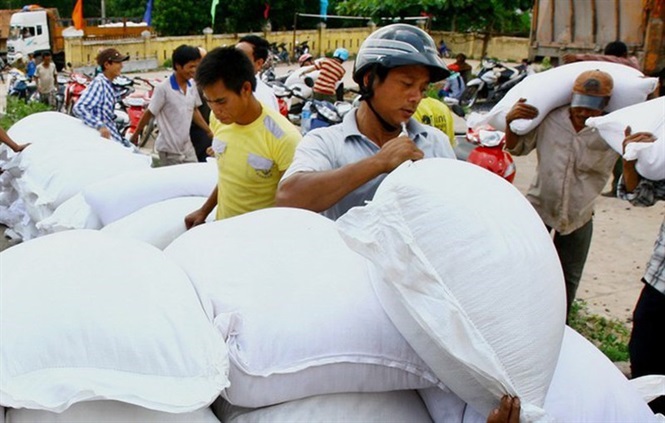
(331, 72)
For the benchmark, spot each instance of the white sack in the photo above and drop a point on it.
(586, 388)
(297, 308)
(120, 196)
(649, 387)
(468, 274)
(74, 213)
(52, 128)
(87, 316)
(643, 117)
(108, 412)
(157, 224)
(376, 407)
(553, 88)
(48, 174)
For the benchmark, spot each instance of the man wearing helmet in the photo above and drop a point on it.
(341, 166)
(574, 164)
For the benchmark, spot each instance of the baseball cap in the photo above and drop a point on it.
(591, 89)
(110, 55)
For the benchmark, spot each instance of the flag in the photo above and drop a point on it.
(77, 15)
(266, 11)
(213, 9)
(147, 16)
(324, 9)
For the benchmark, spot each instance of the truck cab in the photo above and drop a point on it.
(28, 33)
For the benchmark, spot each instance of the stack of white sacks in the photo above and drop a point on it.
(428, 304)
(71, 178)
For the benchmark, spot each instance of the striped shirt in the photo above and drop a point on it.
(646, 194)
(331, 73)
(97, 104)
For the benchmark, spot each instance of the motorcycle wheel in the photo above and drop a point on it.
(469, 96)
(147, 132)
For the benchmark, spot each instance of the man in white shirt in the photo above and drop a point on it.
(257, 50)
(45, 75)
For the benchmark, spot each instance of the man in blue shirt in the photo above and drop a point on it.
(97, 103)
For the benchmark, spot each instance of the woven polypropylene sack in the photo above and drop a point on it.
(467, 272)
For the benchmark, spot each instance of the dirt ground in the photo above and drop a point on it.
(622, 241)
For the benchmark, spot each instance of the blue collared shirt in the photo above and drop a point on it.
(342, 144)
(97, 104)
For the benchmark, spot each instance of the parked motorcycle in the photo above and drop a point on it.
(279, 53)
(494, 80)
(135, 104)
(489, 152)
(18, 85)
(78, 82)
(300, 49)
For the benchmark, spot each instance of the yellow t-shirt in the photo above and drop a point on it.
(435, 113)
(251, 159)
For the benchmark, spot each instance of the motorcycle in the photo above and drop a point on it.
(279, 53)
(78, 82)
(493, 81)
(20, 86)
(135, 104)
(489, 152)
(300, 49)
(322, 114)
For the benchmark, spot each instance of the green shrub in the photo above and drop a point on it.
(18, 109)
(168, 64)
(611, 336)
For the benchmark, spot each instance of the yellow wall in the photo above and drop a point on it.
(82, 51)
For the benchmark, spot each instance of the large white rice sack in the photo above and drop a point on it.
(74, 213)
(109, 412)
(586, 388)
(367, 407)
(120, 196)
(643, 117)
(52, 128)
(468, 274)
(87, 316)
(553, 88)
(297, 309)
(157, 224)
(48, 174)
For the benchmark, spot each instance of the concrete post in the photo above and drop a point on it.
(321, 27)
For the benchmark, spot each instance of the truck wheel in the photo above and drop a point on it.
(469, 96)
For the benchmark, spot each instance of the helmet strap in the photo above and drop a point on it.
(366, 96)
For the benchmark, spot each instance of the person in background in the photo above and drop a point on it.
(257, 50)
(574, 164)
(460, 66)
(30, 67)
(97, 103)
(433, 112)
(306, 60)
(614, 52)
(46, 77)
(253, 143)
(331, 74)
(443, 49)
(341, 166)
(201, 139)
(9, 142)
(174, 105)
(647, 351)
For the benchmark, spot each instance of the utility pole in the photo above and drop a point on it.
(103, 12)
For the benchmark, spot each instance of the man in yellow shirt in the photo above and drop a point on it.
(253, 144)
(434, 113)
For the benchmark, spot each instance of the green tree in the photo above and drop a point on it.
(489, 16)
